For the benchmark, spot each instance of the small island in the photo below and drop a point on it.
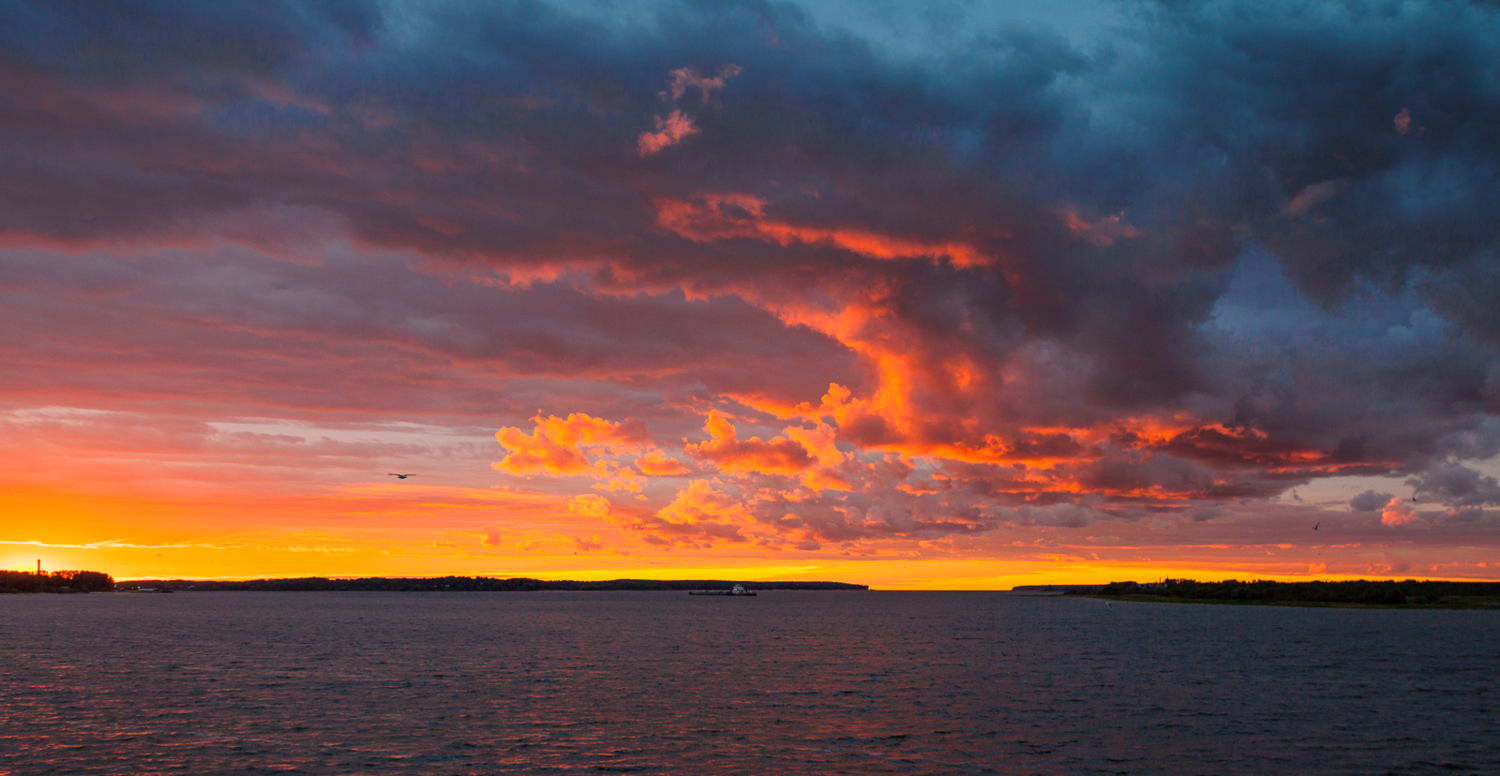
(1408, 594)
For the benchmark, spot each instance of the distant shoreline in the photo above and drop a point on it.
(1348, 594)
(1488, 604)
(465, 584)
(55, 582)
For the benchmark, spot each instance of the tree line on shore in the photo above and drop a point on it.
(462, 584)
(56, 582)
(1360, 591)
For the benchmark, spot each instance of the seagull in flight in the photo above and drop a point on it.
(398, 476)
(1315, 525)
(1109, 604)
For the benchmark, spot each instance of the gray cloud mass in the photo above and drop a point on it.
(1216, 212)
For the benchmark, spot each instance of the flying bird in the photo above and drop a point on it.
(1109, 604)
(398, 476)
(1315, 525)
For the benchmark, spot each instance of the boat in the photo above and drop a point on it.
(737, 590)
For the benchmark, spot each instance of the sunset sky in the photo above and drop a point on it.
(916, 295)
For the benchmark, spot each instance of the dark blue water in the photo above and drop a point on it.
(788, 682)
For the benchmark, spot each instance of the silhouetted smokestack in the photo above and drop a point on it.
(38, 566)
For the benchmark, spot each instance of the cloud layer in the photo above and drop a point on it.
(729, 275)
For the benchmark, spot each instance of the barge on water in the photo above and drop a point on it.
(737, 590)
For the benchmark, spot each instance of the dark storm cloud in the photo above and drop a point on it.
(1457, 486)
(1369, 501)
(1272, 220)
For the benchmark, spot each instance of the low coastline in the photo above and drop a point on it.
(467, 584)
(1359, 594)
(56, 582)
(1349, 594)
(99, 582)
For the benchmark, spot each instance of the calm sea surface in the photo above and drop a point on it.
(785, 683)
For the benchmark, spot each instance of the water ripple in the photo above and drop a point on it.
(790, 682)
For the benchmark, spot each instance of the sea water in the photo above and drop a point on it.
(783, 683)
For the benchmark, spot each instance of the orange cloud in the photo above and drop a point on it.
(730, 216)
(1103, 232)
(615, 476)
(654, 464)
(556, 445)
(686, 77)
(1398, 513)
(730, 454)
(819, 441)
(701, 501)
(669, 132)
(589, 505)
(701, 514)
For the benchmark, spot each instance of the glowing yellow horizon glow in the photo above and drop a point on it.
(344, 534)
